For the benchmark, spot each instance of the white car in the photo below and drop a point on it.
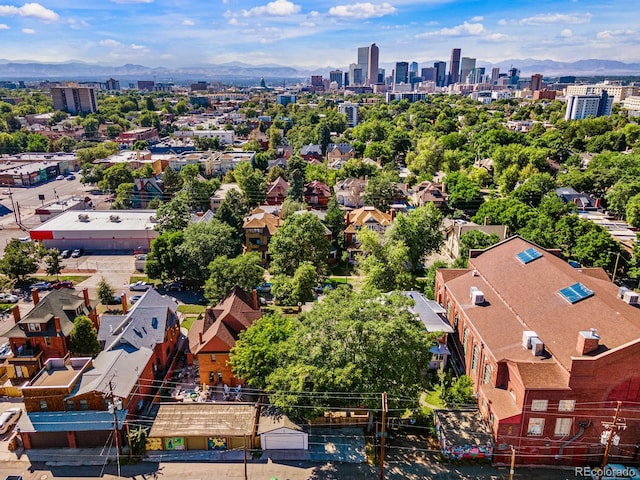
(8, 298)
(8, 419)
(140, 286)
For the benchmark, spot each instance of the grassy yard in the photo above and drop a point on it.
(53, 278)
(188, 321)
(432, 398)
(191, 309)
(143, 278)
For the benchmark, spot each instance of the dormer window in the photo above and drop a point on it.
(34, 327)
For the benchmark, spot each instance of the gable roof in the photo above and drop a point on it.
(365, 215)
(261, 219)
(278, 187)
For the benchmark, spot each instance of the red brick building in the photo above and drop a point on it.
(551, 350)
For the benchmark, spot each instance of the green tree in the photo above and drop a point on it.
(172, 181)
(633, 211)
(464, 193)
(20, 259)
(105, 291)
(420, 231)
(302, 237)
(352, 342)
(38, 143)
(460, 393)
(251, 182)
(243, 271)
(334, 219)
(233, 209)
(164, 261)
(53, 262)
(297, 289)
(381, 191)
(173, 216)
(473, 239)
(115, 176)
(83, 339)
(124, 196)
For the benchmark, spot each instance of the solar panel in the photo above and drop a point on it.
(529, 255)
(575, 293)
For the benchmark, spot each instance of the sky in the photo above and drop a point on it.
(315, 33)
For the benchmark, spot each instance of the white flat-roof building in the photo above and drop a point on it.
(99, 230)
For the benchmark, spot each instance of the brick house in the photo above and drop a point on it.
(212, 337)
(317, 194)
(44, 332)
(340, 152)
(277, 191)
(311, 152)
(366, 217)
(551, 349)
(429, 192)
(258, 228)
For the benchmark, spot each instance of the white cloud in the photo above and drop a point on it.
(28, 31)
(459, 30)
(137, 47)
(4, 26)
(496, 37)
(362, 10)
(313, 14)
(29, 10)
(611, 34)
(547, 18)
(502, 21)
(188, 22)
(77, 24)
(476, 19)
(110, 43)
(566, 33)
(277, 8)
(236, 23)
(308, 24)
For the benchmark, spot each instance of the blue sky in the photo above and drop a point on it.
(317, 33)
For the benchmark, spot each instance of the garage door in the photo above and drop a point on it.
(48, 440)
(284, 441)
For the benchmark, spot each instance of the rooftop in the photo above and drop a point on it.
(204, 419)
(105, 220)
(59, 373)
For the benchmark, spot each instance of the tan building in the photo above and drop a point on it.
(259, 227)
(618, 92)
(75, 99)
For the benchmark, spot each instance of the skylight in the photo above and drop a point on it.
(529, 255)
(575, 293)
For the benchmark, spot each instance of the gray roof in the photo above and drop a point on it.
(430, 313)
(84, 421)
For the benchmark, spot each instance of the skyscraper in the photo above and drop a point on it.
(454, 66)
(429, 74)
(356, 74)
(401, 73)
(336, 76)
(536, 82)
(372, 64)
(495, 75)
(441, 73)
(363, 64)
(466, 65)
(75, 99)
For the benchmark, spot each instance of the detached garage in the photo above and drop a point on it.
(278, 432)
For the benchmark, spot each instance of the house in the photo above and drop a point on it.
(317, 194)
(278, 432)
(311, 152)
(211, 338)
(429, 192)
(145, 190)
(454, 229)
(220, 194)
(340, 151)
(277, 191)
(349, 192)
(551, 350)
(44, 332)
(582, 201)
(365, 217)
(431, 315)
(258, 228)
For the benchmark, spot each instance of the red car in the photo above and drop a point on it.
(62, 284)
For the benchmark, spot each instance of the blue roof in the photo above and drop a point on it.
(529, 255)
(83, 421)
(575, 293)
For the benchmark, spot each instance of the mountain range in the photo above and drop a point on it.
(13, 70)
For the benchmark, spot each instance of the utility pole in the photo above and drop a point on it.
(114, 406)
(513, 462)
(610, 437)
(615, 269)
(384, 421)
(245, 457)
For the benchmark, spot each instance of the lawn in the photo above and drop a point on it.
(53, 278)
(188, 321)
(191, 309)
(432, 398)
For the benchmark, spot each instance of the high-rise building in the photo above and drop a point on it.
(536, 82)
(495, 75)
(372, 65)
(381, 76)
(476, 75)
(441, 73)
(356, 75)
(514, 76)
(316, 80)
(429, 74)
(363, 64)
(401, 73)
(113, 84)
(454, 66)
(336, 76)
(146, 85)
(75, 99)
(351, 111)
(466, 65)
(583, 106)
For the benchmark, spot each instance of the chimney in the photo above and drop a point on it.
(35, 296)
(58, 326)
(393, 213)
(587, 341)
(123, 300)
(200, 335)
(16, 313)
(87, 302)
(255, 300)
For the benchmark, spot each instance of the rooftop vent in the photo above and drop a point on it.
(153, 219)
(114, 218)
(631, 297)
(527, 335)
(477, 297)
(588, 341)
(83, 217)
(537, 347)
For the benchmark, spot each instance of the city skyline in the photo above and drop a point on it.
(300, 33)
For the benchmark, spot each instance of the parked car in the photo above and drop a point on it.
(62, 284)
(8, 298)
(173, 287)
(140, 286)
(8, 419)
(325, 287)
(60, 177)
(115, 300)
(65, 253)
(5, 351)
(264, 288)
(135, 298)
(71, 177)
(13, 477)
(40, 286)
(77, 253)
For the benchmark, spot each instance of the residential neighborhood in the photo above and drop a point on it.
(377, 275)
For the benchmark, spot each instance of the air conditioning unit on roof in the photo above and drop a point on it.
(631, 297)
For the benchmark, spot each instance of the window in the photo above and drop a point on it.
(474, 360)
(437, 357)
(84, 405)
(539, 405)
(536, 426)
(487, 373)
(213, 357)
(563, 426)
(43, 406)
(34, 327)
(456, 319)
(219, 376)
(212, 377)
(567, 406)
(71, 405)
(465, 337)
(47, 341)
